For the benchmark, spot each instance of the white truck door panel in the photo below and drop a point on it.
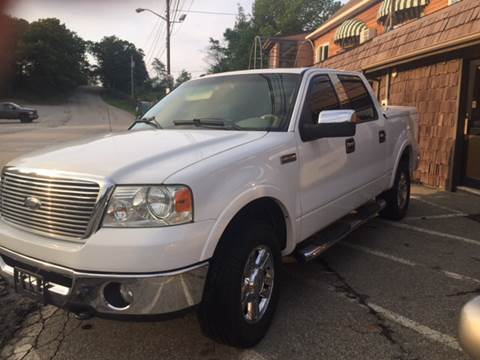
(325, 169)
(368, 160)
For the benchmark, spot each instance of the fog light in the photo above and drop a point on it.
(127, 293)
(116, 298)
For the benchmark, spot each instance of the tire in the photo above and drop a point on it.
(25, 119)
(398, 197)
(222, 315)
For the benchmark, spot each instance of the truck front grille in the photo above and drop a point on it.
(53, 206)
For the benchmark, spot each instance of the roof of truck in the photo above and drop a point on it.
(276, 71)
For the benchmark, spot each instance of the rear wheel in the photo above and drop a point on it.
(242, 289)
(398, 197)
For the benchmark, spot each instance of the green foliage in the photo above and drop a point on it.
(269, 18)
(119, 100)
(49, 58)
(184, 76)
(114, 56)
(162, 80)
(272, 17)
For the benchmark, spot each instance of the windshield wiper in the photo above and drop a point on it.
(208, 122)
(201, 122)
(149, 121)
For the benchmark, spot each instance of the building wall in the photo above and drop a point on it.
(305, 54)
(434, 91)
(369, 17)
(274, 56)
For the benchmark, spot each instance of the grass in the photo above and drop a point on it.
(119, 100)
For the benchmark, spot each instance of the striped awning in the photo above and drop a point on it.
(349, 30)
(404, 10)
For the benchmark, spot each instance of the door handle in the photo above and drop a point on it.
(350, 145)
(382, 136)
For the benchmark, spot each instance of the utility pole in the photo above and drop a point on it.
(168, 38)
(132, 79)
(169, 22)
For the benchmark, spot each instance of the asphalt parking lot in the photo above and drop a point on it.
(388, 291)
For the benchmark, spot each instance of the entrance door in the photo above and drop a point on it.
(472, 128)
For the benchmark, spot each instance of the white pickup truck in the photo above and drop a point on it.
(197, 203)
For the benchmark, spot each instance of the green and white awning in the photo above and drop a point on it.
(349, 31)
(403, 10)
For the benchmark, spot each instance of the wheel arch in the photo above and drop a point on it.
(268, 207)
(405, 154)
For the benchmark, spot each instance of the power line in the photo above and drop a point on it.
(181, 24)
(209, 12)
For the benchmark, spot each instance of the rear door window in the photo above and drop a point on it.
(358, 98)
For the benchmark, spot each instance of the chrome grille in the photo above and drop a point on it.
(66, 206)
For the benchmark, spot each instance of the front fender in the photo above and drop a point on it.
(237, 204)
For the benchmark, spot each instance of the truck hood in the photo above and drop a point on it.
(147, 156)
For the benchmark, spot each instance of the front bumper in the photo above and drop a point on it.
(147, 294)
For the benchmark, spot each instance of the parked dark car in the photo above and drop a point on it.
(10, 110)
(142, 108)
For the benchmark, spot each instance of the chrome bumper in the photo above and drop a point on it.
(112, 294)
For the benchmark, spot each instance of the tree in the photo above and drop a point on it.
(162, 81)
(114, 57)
(217, 57)
(269, 18)
(234, 55)
(14, 30)
(184, 76)
(287, 17)
(50, 57)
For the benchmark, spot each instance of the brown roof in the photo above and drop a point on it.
(275, 39)
(345, 8)
(454, 25)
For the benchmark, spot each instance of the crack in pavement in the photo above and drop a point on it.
(467, 292)
(385, 331)
(27, 340)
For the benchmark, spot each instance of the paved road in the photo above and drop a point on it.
(389, 291)
(84, 114)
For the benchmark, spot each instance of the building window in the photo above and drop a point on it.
(322, 53)
(347, 35)
(396, 12)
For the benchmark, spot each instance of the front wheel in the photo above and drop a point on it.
(398, 197)
(25, 119)
(242, 288)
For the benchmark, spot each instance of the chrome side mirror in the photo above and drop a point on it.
(330, 124)
(337, 116)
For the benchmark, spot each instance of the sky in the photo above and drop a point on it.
(94, 19)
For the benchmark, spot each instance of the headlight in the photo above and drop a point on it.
(149, 206)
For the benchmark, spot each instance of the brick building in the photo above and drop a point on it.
(423, 53)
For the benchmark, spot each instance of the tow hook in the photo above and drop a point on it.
(82, 315)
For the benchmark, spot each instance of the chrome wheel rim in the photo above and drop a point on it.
(257, 284)
(402, 193)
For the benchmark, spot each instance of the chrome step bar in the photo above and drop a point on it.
(323, 240)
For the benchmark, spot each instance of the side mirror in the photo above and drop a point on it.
(331, 124)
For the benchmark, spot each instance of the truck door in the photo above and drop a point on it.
(326, 171)
(368, 166)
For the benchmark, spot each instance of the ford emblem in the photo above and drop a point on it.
(32, 203)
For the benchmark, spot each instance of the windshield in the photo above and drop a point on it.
(262, 102)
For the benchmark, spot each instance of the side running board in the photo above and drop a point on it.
(321, 241)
